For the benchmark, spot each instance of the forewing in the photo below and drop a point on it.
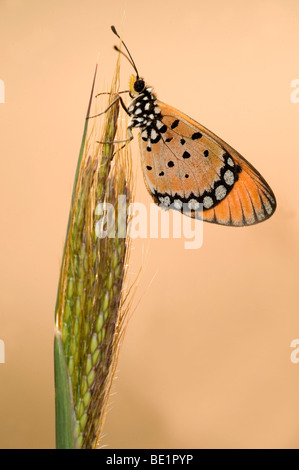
(192, 170)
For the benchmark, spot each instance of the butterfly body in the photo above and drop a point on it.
(188, 168)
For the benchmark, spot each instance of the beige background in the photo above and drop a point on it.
(206, 359)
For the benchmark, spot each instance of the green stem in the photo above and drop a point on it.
(65, 436)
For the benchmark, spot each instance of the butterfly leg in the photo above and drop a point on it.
(103, 112)
(129, 130)
(131, 137)
(119, 98)
(126, 141)
(109, 93)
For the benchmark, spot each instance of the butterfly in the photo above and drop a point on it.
(188, 168)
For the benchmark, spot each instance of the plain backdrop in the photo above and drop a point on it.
(206, 358)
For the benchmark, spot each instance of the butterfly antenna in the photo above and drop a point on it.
(129, 57)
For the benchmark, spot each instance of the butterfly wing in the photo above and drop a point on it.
(192, 170)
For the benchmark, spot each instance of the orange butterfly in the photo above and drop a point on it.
(188, 168)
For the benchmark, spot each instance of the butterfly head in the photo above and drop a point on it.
(137, 85)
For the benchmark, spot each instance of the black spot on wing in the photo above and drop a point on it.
(175, 124)
(196, 135)
(186, 155)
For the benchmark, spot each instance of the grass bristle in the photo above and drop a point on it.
(90, 310)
